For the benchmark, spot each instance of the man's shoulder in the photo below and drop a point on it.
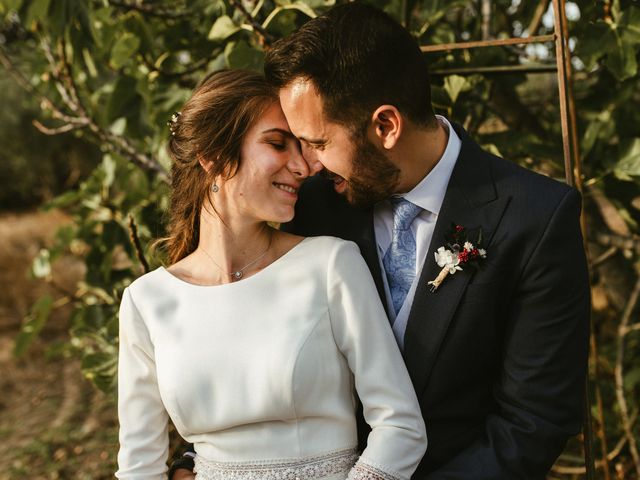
(529, 191)
(513, 179)
(536, 195)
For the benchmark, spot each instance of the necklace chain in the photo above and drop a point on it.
(238, 274)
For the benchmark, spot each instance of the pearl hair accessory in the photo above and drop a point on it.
(173, 121)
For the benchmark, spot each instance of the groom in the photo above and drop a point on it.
(497, 354)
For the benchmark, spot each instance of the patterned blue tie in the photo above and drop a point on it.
(400, 260)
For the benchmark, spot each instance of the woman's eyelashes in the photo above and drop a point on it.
(278, 144)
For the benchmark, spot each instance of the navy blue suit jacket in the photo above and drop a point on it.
(497, 356)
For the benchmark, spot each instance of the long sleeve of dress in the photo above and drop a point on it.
(144, 441)
(362, 332)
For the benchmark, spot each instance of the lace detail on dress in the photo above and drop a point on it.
(363, 471)
(299, 469)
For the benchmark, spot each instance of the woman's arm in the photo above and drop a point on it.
(144, 440)
(361, 329)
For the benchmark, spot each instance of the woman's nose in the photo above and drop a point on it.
(298, 166)
(311, 159)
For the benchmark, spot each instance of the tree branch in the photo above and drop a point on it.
(619, 376)
(69, 93)
(135, 240)
(69, 127)
(266, 38)
(534, 25)
(148, 10)
(485, 11)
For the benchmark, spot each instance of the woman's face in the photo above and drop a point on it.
(265, 187)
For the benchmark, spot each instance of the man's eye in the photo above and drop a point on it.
(317, 146)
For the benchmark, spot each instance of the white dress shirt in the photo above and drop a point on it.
(428, 194)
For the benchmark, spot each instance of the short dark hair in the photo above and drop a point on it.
(358, 58)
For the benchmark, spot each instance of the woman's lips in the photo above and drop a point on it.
(288, 190)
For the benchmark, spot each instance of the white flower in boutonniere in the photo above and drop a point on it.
(448, 259)
(453, 258)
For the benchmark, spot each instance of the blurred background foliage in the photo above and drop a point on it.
(88, 86)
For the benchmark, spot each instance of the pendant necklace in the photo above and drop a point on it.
(238, 274)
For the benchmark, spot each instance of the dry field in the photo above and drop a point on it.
(53, 424)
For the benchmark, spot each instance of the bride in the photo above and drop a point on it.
(254, 341)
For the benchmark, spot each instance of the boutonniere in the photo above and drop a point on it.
(458, 252)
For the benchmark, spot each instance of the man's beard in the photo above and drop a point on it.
(374, 177)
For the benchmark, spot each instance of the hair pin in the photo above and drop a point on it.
(173, 121)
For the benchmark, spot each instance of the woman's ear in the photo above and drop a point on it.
(388, 124)
(204, 163)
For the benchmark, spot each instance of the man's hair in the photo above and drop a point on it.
(358, 58)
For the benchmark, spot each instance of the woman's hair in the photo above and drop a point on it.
(211, 127)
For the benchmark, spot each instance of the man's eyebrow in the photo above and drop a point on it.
(312, 140)
(286, 133)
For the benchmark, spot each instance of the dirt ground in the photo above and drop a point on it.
(53, 423)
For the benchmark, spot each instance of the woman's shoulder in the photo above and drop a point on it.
(325, 247)
(151, 284)
(331, 252)
(329, 243)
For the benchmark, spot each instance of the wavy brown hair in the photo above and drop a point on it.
(211, 126)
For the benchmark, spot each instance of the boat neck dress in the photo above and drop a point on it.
(261, 374)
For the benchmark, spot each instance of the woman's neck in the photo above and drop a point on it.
(233, 247)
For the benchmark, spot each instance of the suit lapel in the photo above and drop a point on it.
(471, 200)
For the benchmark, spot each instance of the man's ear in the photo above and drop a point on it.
(388, 125)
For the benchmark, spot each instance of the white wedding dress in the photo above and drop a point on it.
(260, 374)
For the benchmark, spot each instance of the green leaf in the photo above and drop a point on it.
(41, 265)
(10, 5)
(439, 97)
(299, 6)
(223, 28)
(629, 164)
(33, 324)
(90, 64)
(319, 4)
(241, 55)
(454, 85)
(631, 25)
(109, 167)
(124, 48)
(101, 368)
(632, 379)
(592, 47)
(64, 200)
(38, 10)
(122, 99)
(616, 10)
(621, 61)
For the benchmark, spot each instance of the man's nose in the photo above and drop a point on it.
(311, 158)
